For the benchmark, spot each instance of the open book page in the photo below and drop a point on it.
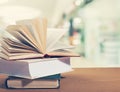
(59, 45)
(11, 53)
(4, 51)
(64, 52)
(53, 36)
(16, 44)
(12, 49)
(37, 28)
(41, 29)
(15, 30)
(18, 56)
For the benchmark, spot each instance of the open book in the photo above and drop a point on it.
(34, 40)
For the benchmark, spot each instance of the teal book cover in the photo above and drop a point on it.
(55, 76)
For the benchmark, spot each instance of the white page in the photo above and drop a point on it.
(28, 24)
(59, 45)
(16, 43)
(53, 36)
(37, 29)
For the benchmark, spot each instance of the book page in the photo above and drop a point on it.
(37, 27)
(40, 26)
(17, 56)
(13, 49)
(53, 36)
(16, 44)
(59, 45)
(13, 30)
(63, 53)
(3, 56)
(32, 30)
(26, 56)
(28, 24)
(18, 53)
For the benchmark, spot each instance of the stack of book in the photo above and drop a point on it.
(34, 73)
(33, 52)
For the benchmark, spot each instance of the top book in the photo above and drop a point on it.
(34, 40)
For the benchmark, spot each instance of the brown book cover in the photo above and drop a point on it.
(52, 81)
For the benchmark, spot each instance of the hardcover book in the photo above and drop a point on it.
(35, 68)
(52, 81)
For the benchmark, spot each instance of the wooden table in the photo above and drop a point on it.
(81, 80)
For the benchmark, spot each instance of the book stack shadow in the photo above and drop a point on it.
(48, 82)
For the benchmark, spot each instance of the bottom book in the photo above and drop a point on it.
(52, 81)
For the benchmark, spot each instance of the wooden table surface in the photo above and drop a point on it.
(81, 80)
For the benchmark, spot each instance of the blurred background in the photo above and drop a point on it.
(93, 25)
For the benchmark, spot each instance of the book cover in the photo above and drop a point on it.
(35, 68)
(52, 81)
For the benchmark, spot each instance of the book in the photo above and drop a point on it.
(52, 81)
(32, 39)
(35, 68)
